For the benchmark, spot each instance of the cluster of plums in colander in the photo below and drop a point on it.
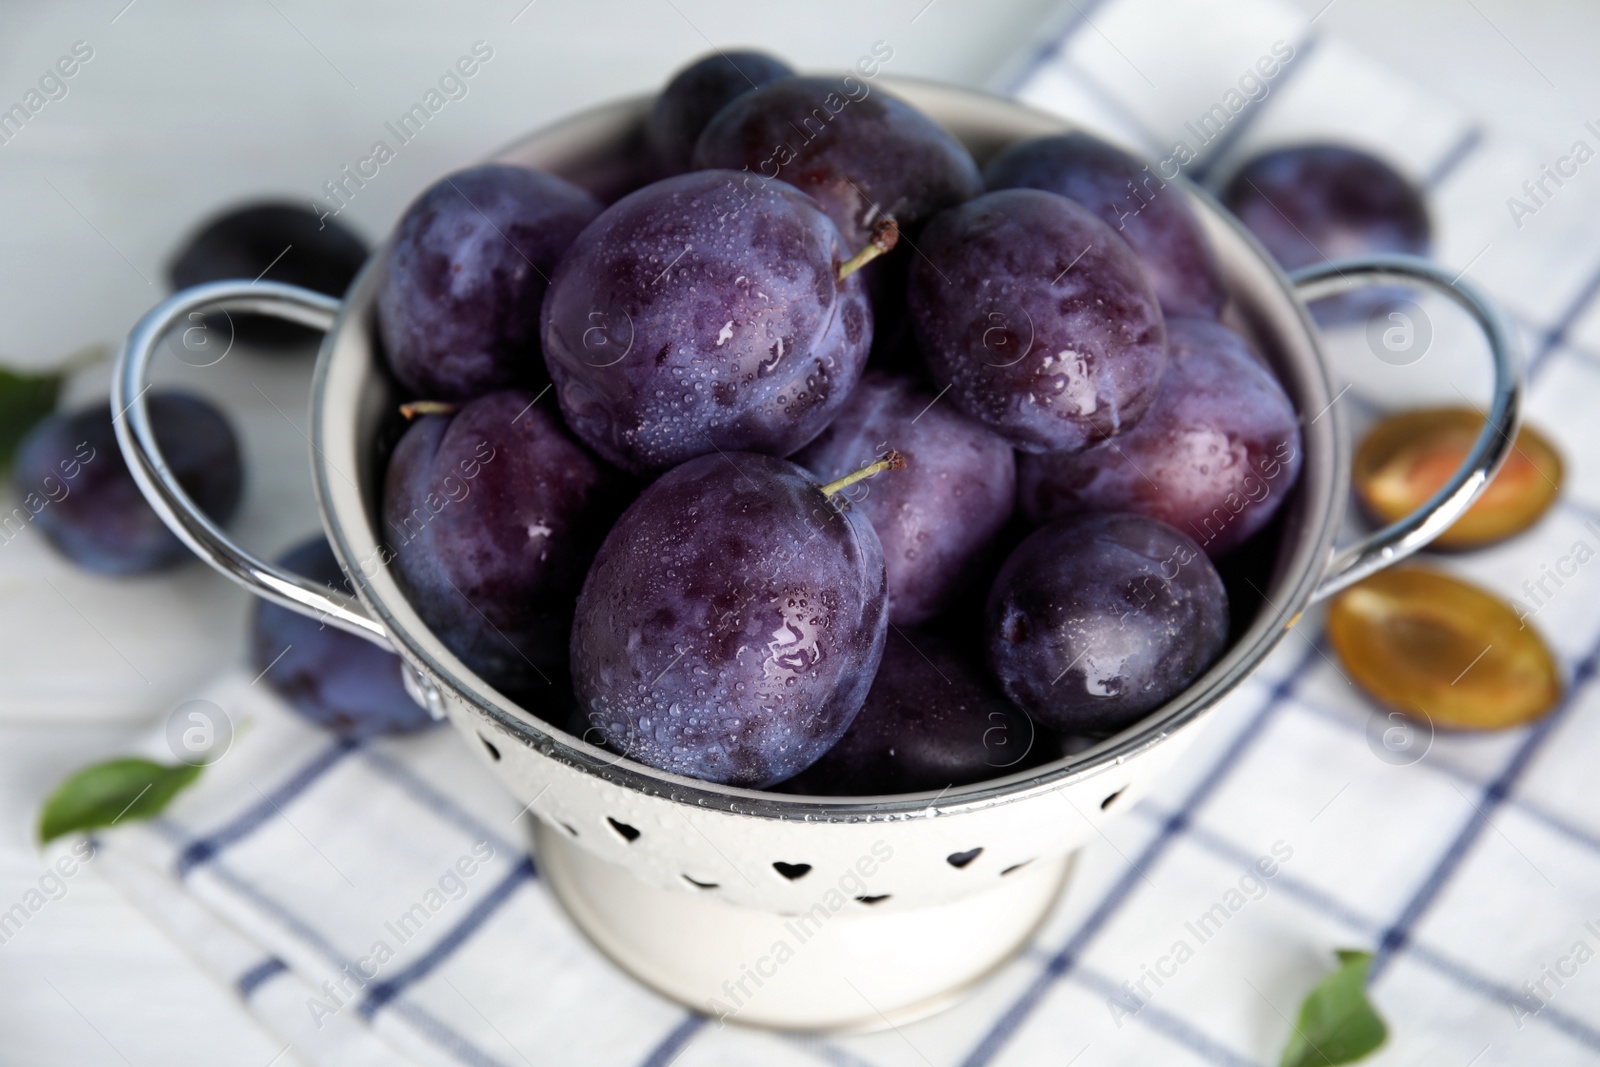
(635, 510)
(825, 460)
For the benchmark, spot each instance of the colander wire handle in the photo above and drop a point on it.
(136, 435)
(1494, 443)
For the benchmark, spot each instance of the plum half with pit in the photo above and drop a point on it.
(1151, 214)
(464, 281)
(1215, 456)
(931, 721)
(937, 516)
(697, 92)
(709, 312)
(71, 478)
(1038, 319)
(1095, 620)
(732, 622)
(492, 515)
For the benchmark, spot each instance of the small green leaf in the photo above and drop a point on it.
(103, 794)
(26, 397)
(24, 400)
(1337, 1024)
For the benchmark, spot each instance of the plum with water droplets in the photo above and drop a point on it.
(464, 280)
(1151, 214)
(861, 152)
(1215, 456)
(493, 514)
(697, 92)
(931, 720)
(936, 517)
(1096, 620)
(705, 313)
(732, 622)
(1038, 319)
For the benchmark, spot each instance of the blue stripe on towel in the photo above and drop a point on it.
(257, 976)
(203, 849)
(1067, 957)
(381, 993)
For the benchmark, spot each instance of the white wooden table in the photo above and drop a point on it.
(183, 108)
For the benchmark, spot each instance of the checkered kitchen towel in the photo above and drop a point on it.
(373, 903)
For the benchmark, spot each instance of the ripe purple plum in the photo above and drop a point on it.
(337, 680)
(931, 721)
(705, 313)
(1149, 213)
(862, 153)
(732, 622)
(1215, 456)
(698, 92)
(458, 305)
(1317, 202)
(493, 515)
(271, 241)
(1096, 620)
(71, 478)
(1038, 319)
(938, 515)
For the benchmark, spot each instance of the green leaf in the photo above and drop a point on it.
(26, 397)
(104, 794)
(24, 400)
(1337, 1024)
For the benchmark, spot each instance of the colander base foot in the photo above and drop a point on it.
(859, 970)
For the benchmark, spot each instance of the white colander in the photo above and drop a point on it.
(765, 908)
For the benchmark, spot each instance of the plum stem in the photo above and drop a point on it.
(885, 235)
(428, 407)
(892, 462)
